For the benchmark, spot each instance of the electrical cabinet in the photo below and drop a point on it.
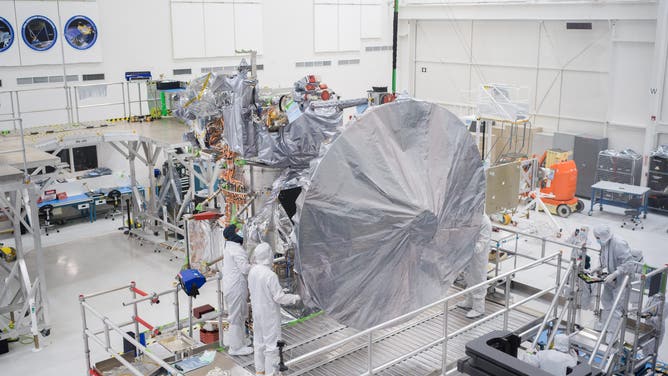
(585, 154)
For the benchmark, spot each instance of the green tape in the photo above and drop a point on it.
(311, 316)
(163, 104)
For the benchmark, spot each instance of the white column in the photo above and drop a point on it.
(656, 84)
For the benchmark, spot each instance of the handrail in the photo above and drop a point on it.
(636, 331)
(405, 316)
(544, 238)
(71, 100)
(34, 89)
(656, 271)
(554, 301)
(130, 339)
(618, 297)
(109, 325)
(92, 295)
(461, 330)
(26, 176)
(99, 84)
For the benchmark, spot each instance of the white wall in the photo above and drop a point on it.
(581, 81)
(136, 35)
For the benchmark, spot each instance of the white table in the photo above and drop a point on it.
(598, 189)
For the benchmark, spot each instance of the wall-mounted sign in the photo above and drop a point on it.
(6, 34)
(39, 33)
(80, 32)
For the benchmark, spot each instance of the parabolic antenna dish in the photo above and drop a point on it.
(391, 214)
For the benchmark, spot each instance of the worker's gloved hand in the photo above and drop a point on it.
(610, 279)
(297, 298)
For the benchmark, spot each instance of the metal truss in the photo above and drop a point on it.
(24, 306)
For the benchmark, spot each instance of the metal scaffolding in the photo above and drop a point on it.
(23, 301)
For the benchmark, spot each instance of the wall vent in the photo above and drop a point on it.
(184, 71)
(578, 25)
(378, 48)
(93, 77)
(44, 79)
(316, 63)
(349, 62)
(212, 69)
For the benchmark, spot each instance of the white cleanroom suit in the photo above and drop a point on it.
(557, 360)
(617, 259)
(235, 291)
(476, 272)
(266, 297)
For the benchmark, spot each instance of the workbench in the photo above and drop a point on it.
(599, 189)
(83, 202)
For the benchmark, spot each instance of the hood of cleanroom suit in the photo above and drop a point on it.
(262, 254)
(603, 233)
(391, 213)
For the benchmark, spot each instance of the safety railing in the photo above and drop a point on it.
(615, 337)
(77, 94)
(7, 107)
(509, 244)
(22, 149)
(657, 307)
(22, 105)
(72, 104)
(368, 334)
(139, 296)
(554, 305)
(621, 299)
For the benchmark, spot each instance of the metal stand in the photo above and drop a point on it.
(21, 297)
(140, 350)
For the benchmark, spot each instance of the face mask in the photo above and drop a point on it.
(600, 242)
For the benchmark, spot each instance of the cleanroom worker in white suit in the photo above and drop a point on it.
(476, 272)
(266, 299)
(235, 291)
(617, 259)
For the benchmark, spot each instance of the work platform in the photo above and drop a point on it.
(388, 344)
(148, 142)
(165, 132)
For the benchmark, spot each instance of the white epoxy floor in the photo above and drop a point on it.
(87, 257)
(96, 257)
